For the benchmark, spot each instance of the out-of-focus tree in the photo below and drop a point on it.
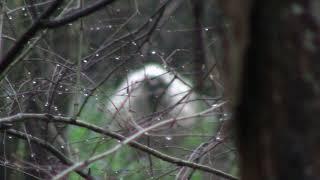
(274, 52)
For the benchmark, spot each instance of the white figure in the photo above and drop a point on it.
(149, 95)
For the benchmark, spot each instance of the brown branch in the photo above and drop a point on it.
(48, 147)
(30, 33)
(69, 120)
(77, 14)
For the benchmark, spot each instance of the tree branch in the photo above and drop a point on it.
(77, 14)
(68, 120)
(19, 45)
(48, 147)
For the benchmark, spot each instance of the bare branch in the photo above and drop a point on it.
(68, 120)
(77, 14)
(48, 147)
(19, 45)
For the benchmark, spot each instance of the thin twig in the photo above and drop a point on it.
(30, 33)
(68, 120)
(48, 147)
(77, 14)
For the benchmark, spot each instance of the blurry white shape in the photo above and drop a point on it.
(169, 138)
(138, 96)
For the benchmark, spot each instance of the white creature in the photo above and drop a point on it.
(149, 95)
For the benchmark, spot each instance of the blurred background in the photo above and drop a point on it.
(98, 69)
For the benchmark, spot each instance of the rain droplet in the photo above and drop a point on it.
(110, 26)
(25, 14)
(146, 133)
(86, 94)
(206, 29)
(169, 138)
(91, 29)
(117, 58)
(33, 155)
(34, 82)
(8, 97)
(10, 137)
(29, 73)
(153, 52)
(85, 61)
(23, 9)
(214, 105)
(134, 43)
(47, 104)
(70, 24)
(203, 67)
(10, 17)
(62, 147)
(150, 20)
(218, 138)
(97, 28)
(97, 55)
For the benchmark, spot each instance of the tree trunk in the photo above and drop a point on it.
(279, 102)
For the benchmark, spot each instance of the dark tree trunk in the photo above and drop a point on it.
(278, 109)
